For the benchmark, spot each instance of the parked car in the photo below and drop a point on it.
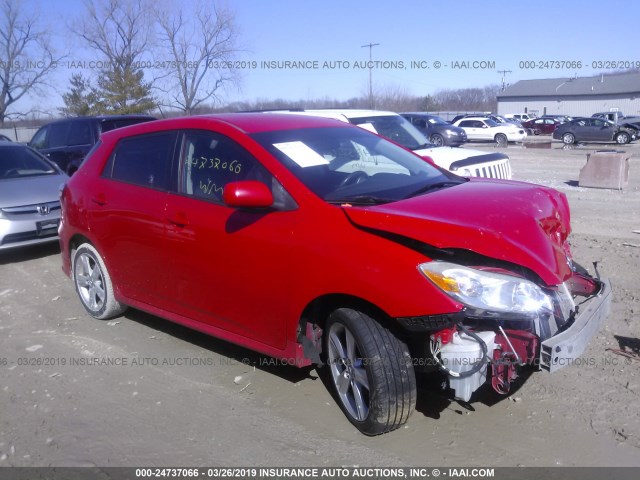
(544, 126)
(585, 129)
(499, 119)
(472, 114)
(559, 118)
(317, 242)
(67, 141)
(522, 117)
(615, 117)
(29, 197)
(630, 123)
(633, 125)
(436, 129)
(462, 161)
(4, 138)
(486, 130)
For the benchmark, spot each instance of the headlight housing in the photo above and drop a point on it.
(488, 291)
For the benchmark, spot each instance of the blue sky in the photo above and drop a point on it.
(502, 34)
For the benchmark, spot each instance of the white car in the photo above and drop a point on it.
(521, 117)
(486, 130)
(461, 161)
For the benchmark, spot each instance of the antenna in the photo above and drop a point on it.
(370, 46)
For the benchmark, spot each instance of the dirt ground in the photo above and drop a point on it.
(172, 397)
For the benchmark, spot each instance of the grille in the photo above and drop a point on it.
(500, 170)
(16, 212)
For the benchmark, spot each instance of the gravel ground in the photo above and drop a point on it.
(172, 397)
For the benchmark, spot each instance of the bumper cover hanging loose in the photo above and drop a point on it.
(564, 348)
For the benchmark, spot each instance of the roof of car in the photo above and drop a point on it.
(343, 114)
(475, 118)
(246, 122)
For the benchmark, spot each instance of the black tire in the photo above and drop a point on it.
(93, 283)
(501, 140)
(370, 370)
(622, 138)
(569, 138)
(437, 139)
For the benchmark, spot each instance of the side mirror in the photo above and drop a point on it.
(247, 194)
(429, 160)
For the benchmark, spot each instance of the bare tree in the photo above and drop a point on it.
(394, 97)
(26, 59)
(200, 51)
(120, 31)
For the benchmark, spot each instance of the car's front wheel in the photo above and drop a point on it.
(622, 138)
(93, 283)
(569, 138)
(437, 139)
(501, 140)
(371, 372)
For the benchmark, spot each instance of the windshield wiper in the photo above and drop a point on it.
(433, 186)
(362, 200)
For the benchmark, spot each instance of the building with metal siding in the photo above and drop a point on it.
(578, 96)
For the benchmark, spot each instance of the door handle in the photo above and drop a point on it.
(100, 199)
(179, 219)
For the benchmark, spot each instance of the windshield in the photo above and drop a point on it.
(436, 121)
(20, 161)
(395, 128)
(491, 123)
(342, 164)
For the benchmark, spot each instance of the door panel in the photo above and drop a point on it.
(230, 268)
(127, 213)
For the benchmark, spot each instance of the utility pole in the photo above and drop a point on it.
(370, 46)
(503, 73)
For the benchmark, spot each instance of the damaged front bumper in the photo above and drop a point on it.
(548, 342)
(563, 348)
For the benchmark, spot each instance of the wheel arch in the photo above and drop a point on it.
(78, 239)
(314, 316)
(74, 242)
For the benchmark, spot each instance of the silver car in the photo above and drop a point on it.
(29, 197)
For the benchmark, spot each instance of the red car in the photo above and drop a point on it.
(545, 126)
(320, 243)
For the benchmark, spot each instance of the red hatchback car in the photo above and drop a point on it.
(320, 243)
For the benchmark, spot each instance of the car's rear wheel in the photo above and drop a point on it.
(501, 140)
(569, 138)
(622, 138)
(371, 372)
(93, 283)
(437, 139)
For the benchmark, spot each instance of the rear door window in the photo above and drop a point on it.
(145, 160)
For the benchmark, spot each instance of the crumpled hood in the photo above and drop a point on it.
(517, 222)
(16, 192)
